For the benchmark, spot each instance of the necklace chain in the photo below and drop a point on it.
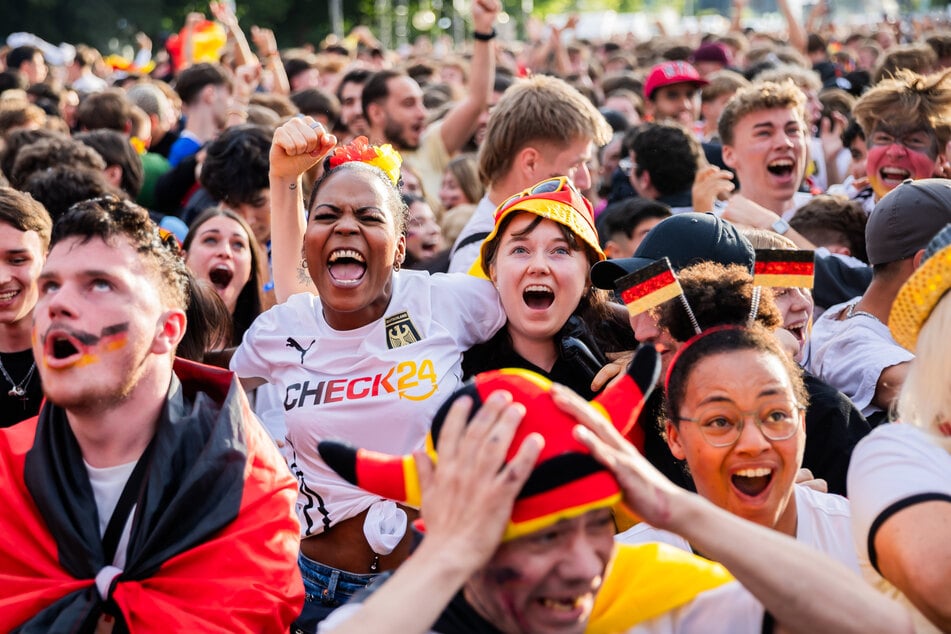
(855, 313)
(18, 389)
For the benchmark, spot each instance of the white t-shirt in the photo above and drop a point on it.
(107, 485)
(376, 387)
(482, 220)
(851, 354)
(893, 468)
(822, 521)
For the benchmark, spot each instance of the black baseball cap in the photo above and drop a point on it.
(686, 239)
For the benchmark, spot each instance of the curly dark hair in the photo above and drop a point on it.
(718, 295)
(236, 165)
(53, 152)
(666, 151)
(108, 218)
(59, 188)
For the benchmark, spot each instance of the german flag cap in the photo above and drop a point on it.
(566, 481)
(648, 287)
(779, 268)
(565, 205)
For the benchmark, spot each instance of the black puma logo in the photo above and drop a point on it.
(293, 344)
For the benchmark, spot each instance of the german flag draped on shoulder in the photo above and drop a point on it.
(213, 542)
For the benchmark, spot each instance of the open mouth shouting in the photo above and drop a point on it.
(892, 176)
(538, 296)
(782, 168)
(346, 267)
(64, 348)
(751, 482)
(220, 276)
(799, 332)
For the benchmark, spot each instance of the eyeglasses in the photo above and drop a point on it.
(721, 425)
(549, 186)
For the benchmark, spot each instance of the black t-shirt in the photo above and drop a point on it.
(14, 409)
(833, 427)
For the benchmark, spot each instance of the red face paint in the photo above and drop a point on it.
(897, 154)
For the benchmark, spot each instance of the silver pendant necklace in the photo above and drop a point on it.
(18, 390)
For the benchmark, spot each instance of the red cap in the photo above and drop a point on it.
(673, 72)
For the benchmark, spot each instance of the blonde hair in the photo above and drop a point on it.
(925, 400)
(765, 239)
(540, 110)
(908, 100)
(759, 96)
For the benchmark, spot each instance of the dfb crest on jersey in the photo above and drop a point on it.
(400, 331)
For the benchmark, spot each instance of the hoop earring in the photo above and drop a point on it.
(303, 263)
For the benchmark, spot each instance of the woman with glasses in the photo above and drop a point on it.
(538, 256)
(735, 413)
(368, 359)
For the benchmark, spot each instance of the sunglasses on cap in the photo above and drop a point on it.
(550, 186)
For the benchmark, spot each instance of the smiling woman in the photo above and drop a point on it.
(538, 256)
(368, 359)
(735, 412)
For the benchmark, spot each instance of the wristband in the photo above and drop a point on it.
(484, 37)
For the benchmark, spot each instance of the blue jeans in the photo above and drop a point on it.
(325, 589)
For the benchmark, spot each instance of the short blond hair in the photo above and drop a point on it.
(760, 96)
(540, 110)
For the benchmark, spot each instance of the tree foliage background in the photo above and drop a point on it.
(106, 23)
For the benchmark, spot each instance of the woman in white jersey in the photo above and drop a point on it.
(900, 477)
(368, 359)
(735, 411)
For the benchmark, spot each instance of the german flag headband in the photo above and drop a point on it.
(566, 481)
(651, 286)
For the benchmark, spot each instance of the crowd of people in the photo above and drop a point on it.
(554, 335)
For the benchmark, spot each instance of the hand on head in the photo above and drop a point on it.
(468, 495)
(646, 492)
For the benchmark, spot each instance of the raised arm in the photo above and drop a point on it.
(242, 50)
(802, 588)
(461, 121)
(794, 28)
(297, 146)
(266, 44)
